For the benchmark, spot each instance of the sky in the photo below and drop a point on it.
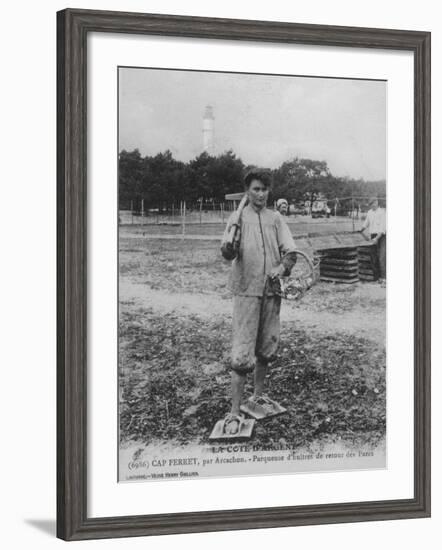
(264, 119)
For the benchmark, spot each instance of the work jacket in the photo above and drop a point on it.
(265, 242)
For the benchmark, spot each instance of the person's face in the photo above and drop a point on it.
(375, 205)
(258, 194)
(283, 208)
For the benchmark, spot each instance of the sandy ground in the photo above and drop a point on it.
(368, 322)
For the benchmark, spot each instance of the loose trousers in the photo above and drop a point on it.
(256, 329)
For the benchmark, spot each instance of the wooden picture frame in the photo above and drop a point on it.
(73, 27)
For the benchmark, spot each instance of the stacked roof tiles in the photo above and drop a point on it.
(344, 258)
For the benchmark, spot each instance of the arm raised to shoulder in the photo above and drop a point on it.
(232, 234)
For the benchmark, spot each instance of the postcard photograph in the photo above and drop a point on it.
(252, 247)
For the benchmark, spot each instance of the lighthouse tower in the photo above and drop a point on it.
(208, 130)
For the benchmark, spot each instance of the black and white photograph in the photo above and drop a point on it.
(252, 274)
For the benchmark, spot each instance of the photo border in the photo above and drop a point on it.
(73, 27)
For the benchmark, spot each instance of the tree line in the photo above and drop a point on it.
(161, 179)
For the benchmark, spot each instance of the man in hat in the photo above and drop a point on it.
(264, 252)
(375, 228)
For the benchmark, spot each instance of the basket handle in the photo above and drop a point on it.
(309, 261)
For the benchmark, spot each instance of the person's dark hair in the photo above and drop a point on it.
(261, 175)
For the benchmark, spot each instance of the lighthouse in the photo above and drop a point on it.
(208, 130)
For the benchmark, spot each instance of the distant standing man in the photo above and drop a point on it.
(375, 228)
(282, 206)
(265, 251)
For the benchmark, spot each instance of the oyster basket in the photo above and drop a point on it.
(297, 284)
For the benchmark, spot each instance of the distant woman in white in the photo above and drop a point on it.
(375, 228)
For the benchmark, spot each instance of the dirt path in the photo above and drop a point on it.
(369, 323)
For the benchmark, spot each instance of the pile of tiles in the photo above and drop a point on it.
(344, 258)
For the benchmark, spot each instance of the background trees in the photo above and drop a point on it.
(161, 180)
(302, 180)
(130, 177)
(210, 178)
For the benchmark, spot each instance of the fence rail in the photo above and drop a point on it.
(340, 211)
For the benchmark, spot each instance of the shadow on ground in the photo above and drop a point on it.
(47, 526)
